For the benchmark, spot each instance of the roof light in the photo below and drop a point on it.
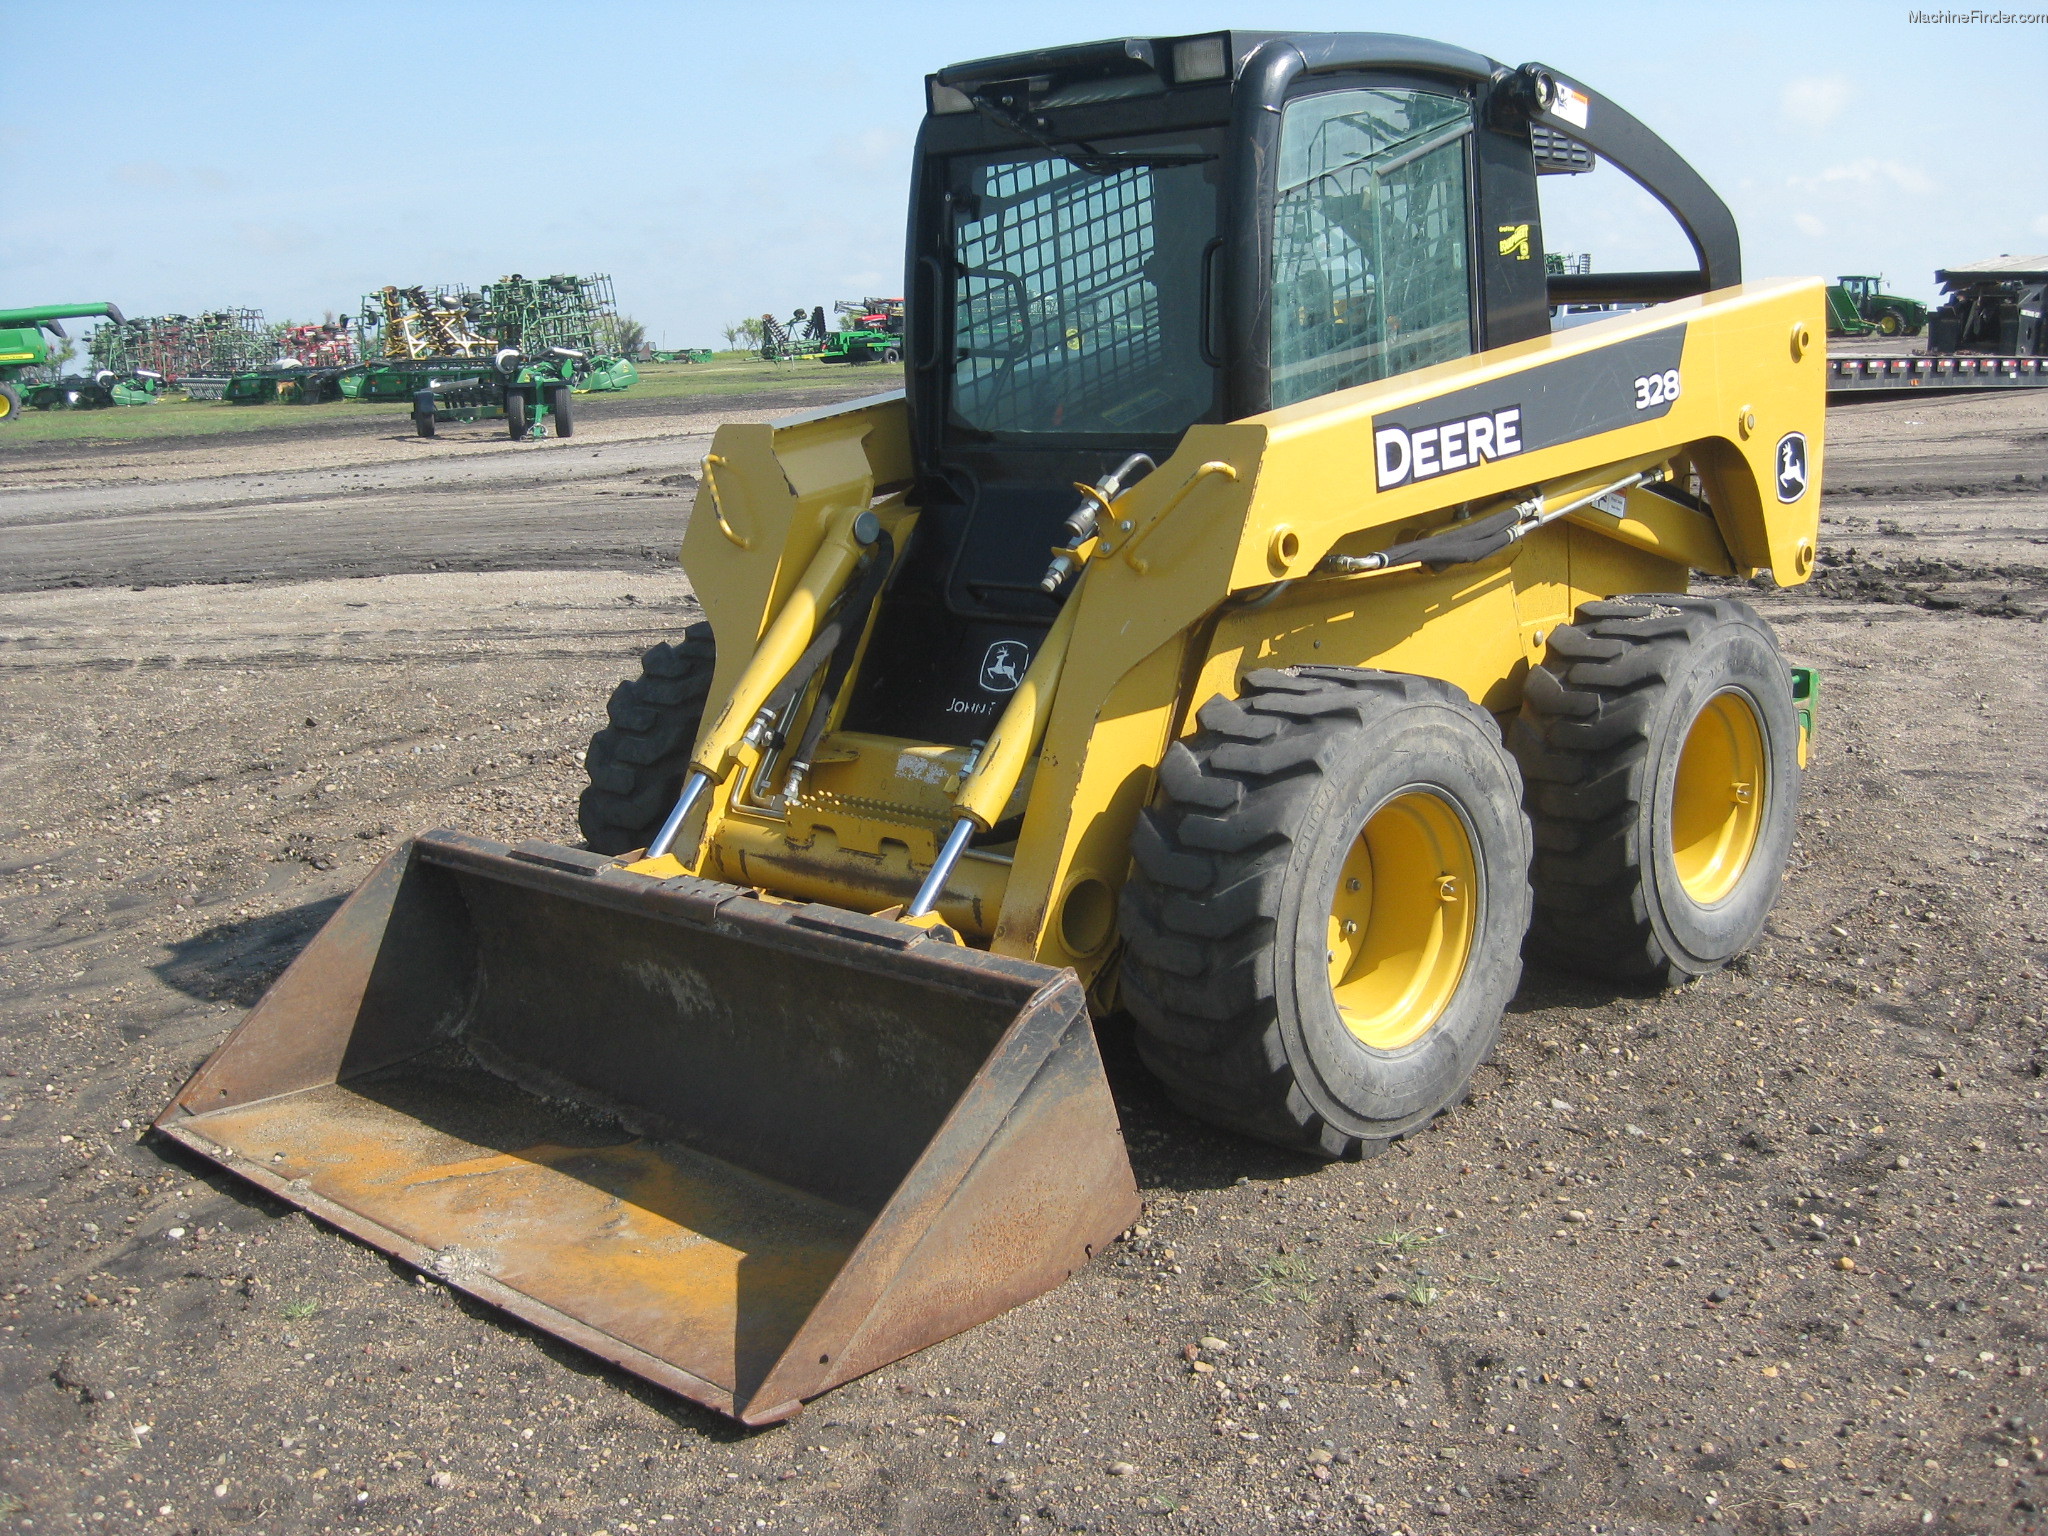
(946, 98)
(1200, 58)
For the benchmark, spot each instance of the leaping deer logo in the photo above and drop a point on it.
(1791, 466)
(1002, 669)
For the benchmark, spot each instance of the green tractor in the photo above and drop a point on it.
(22, 344)
(1858, 306)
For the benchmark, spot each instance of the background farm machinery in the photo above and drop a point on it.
(871, 330)
(572, 321)
(195, 353)
(1998, 306)
(1859, 306)
(30, 373)
(801, 335)
(529, 395)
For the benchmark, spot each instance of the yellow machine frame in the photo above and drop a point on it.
(1208, 570)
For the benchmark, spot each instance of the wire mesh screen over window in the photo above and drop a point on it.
(1370, 243)
(1078, 297)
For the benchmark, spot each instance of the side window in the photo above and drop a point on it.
(1371, 258)
(1596, 222)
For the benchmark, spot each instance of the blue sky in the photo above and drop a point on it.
(721, 160)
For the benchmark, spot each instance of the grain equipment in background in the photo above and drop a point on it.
(1252, 615)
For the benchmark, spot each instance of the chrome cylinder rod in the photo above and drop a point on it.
(693, 787)
(941, 871)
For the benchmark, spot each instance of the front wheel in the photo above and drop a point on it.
(1324, 919)
(10, 403)
(892, 354)
(516, 415)
(637, 762)
(559, 409)
(1891, 323)
(1660, 742)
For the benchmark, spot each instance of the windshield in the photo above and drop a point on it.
(1077, 305)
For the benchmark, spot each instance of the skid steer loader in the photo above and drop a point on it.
(1250, 617)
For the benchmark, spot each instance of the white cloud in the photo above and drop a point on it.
(1808, 225)
(1815, 100)
(1868, 175)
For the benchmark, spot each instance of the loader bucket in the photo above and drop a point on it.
(747, 1150)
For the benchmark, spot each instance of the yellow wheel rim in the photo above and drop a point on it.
(6, 407)
(1402, 920)
(1717, 802)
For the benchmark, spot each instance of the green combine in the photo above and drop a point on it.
(24, 348)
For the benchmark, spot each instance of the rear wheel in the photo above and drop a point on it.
(1323, 920)
(516, 415)
(10, 403)
(636, 764)
(1659, 741)
(892, 354)
(423, 413)
(558, 408)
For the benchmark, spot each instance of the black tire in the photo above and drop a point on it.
(636, 764)
(1604, 729)
(516, 415)
(1891, 323)
(1227, 917)
(10, 402)
(559, 409)
(892, 354)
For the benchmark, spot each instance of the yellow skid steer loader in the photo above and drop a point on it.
(1252, 616)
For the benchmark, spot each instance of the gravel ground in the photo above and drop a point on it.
(1761, 1255)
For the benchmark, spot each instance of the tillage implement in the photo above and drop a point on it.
(1250, 619)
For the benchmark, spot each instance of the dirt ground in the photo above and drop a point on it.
(1762, 1255)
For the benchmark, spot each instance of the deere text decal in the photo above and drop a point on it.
(1430, 451)
(1575, 397)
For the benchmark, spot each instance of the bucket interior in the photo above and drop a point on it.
(668, 1132)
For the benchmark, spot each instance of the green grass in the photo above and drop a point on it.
(1422, 1292)
(1402, 1244)
(172, 418)
(299, 1311)
(729, 374)
(1286, 1277)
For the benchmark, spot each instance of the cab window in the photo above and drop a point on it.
(1371, 239)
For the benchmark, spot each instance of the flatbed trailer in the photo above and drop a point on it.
(1863, 374)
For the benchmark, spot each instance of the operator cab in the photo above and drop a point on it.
(1112, 242)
